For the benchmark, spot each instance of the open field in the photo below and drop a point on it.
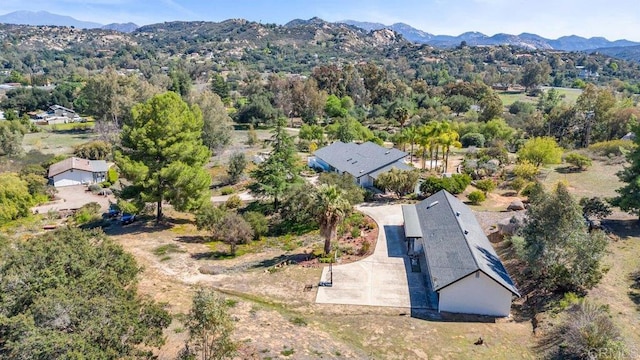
(60, 142)
(570, 96)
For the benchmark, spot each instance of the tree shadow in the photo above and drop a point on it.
(568, 170)
(193, 239)
(213, 255)
(634, 293)
(623, 228)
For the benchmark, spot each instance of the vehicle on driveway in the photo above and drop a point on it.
(127, 218)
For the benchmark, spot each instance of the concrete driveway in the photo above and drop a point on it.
(383, 279)
(73, 197)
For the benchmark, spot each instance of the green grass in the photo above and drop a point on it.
(70, 126)
(56, 142)
(164, 250)
(599, 180)
(570, 96)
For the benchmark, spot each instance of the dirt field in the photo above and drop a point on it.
(277, 319)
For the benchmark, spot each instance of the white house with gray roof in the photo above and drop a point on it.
(77, 171)
(462, 266)
(365, 162)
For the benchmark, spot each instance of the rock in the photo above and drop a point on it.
(211, 270)
(516, 205)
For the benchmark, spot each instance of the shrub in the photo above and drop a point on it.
(579, 161)
(541, 151)
(588, 333)
(612, 147)
(112, 175)
(486, 185)
(92, 207)
(95, 187)
(517, 184)
(105, 184)
(355, 232)
(472, 139)
(233, 202)
(526, 170)
(455, 184)
(227, 190)
(476, 197)
(259, 223)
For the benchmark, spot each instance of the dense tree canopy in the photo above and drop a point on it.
(560, 251)
(162, 153)
(72, 294)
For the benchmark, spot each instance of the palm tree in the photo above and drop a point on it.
(435, 129)
(331, 208)
(424, 140)
(411, 135)
(447, 140)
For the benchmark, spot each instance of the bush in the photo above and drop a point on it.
(612, 147)
(455, 184)
(233, 202)
(472, 139)
(259, 223)
(579, 161)
(526, 170)
(486, 185)
(589, 333)
(227, 190)
(112, 175)
(95, 187)
(476, 197)
(105, 184)
(517, 184)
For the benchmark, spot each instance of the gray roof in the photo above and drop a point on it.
(95, 166)
(411, 222)
(395, 165)
(455, 244)
(358, 159)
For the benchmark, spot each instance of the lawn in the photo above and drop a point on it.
(570, 96)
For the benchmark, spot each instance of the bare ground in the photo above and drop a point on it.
(275, 315)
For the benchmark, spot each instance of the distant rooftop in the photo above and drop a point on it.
(359, 159)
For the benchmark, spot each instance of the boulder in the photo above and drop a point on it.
(516, 205)
(211, 270)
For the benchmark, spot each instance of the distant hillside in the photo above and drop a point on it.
(630, 53)
(44, 18)
(125, 28)
(525, 40)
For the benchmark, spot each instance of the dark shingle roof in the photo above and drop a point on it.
(358, 159)
(455, 244)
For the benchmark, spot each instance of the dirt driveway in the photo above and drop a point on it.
(384, 278)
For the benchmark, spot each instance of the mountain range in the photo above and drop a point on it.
(41, 18)
(525, 40)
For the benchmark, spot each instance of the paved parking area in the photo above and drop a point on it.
(382, 279)
(73, 197)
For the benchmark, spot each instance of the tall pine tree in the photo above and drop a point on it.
(162, 153)
(629, 195)
(281, 170)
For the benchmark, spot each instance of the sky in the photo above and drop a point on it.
(549, 18)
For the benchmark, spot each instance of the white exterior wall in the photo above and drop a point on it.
(75, 177)
(365, 181)
(476, 295)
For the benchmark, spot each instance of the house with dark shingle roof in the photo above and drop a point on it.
(365, 162)
(77, 171)
(462, 266)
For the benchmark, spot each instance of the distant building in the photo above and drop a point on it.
(77, 171)
(364, 162)
(462, 267)
(57, 114)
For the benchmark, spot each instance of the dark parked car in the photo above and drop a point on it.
(127, 218)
